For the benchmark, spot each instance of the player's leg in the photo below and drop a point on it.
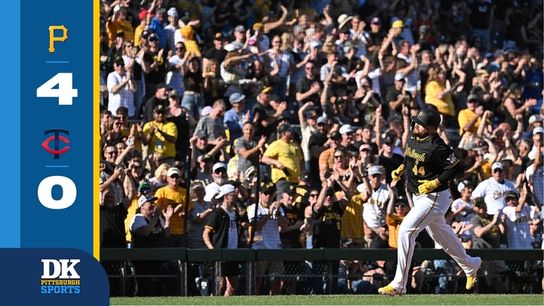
(443, 234)
(423, 213)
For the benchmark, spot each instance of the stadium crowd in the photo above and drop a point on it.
(303, 108)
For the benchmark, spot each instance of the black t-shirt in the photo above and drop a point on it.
(327, 226)
(291, 239)
(303, 85)
(264, 113)
(112, 226)
(193, 81)
(156, 75)
(182, 141)
(219, 222)
(216, 54)
(427, 159)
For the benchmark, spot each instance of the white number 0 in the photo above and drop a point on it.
(69, 192)
(64, 92)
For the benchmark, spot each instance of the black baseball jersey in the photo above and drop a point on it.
(427, 159)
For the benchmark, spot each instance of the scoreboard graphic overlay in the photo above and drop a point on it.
(49, 245)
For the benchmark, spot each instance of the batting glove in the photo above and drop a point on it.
(397, 173)
(427, 186)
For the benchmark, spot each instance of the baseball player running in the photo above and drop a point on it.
(428, 164)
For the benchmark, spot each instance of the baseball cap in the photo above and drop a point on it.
(218, 36)
(315, 44)
(399, 77)
(145, 34)
(144, 186)
(397, 24)
(240, 28)
(284, 128)
(231, 47)
(267, 90)
(143, 199)
(173, 171)
(236, 97)
(205, 111)
(225, 189)
(375, 170)
(346, 128)
(173, 93)
(538, 129)
(211, 190)
(510, 194)
(335, 135)
(321, 120)
(365, 146)
(268, 187)
(472, 97)
(497, 165)
(218, 166)
(375, 20)
(535, 118)
(159, 109)
(172, 12)
(463, 184)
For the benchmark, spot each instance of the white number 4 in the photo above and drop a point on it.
(64, 91)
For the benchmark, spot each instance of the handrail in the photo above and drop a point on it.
(201, 255)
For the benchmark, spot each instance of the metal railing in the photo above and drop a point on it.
(184, 259)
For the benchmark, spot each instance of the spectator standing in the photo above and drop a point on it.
(270, 221)
(221, 231)
(517, 216)
(285, 156)
(121, 88)
(160, 136)
(494, 188)
(174, 196)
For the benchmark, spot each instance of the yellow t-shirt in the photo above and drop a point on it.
(445, 105)
(168, 196)
(465, 116)
(393, 221)
(352, 219)
(290, 155)
(131, 211)
(158, 143)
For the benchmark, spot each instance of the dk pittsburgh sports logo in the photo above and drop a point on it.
(59, 276)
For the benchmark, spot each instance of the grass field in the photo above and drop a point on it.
(444, 299)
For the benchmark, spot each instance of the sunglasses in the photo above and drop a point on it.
(338, 156)
(153, 39)
(314, 195)
(497, 170)
(220, 171)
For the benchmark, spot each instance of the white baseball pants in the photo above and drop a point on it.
(428, 212)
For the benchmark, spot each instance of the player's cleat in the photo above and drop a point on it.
(388, 290)
(473, 278)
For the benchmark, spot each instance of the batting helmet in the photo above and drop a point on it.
(428, 117)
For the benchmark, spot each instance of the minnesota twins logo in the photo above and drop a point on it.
(56, 138)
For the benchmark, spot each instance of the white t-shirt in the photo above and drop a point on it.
(465, 215)
(493, 193)
(124, 97)
(517, 227)
(374, 208)
(269, 235)
(233, 231)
